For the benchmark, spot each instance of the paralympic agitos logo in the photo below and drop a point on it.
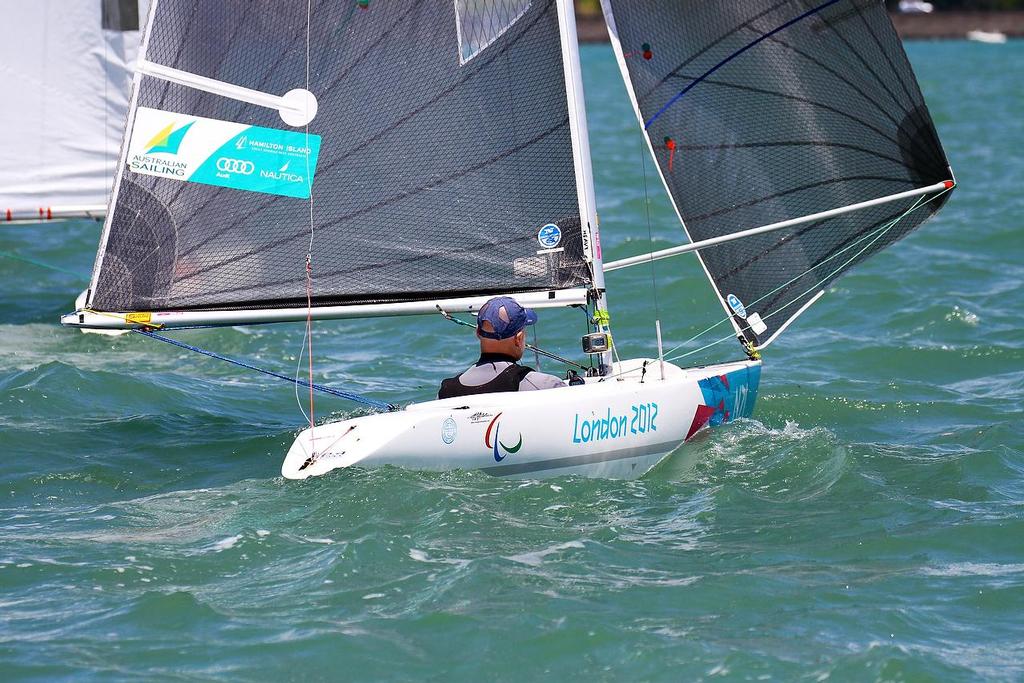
(500, 449)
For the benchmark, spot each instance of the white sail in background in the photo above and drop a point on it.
(65, 75)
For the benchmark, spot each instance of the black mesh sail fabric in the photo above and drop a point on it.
(445, 149)
(764, 111)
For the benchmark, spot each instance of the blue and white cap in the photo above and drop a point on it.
(506, 317)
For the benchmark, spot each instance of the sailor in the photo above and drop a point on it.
(501, 329)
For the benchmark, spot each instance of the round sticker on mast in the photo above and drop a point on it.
(549, 236)
(737, 306)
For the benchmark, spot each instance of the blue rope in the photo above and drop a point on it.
(733, 56)
(373, 403)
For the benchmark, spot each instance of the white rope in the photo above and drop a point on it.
(307, 337)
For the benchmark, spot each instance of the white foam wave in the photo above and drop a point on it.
(535, 559)
(974, 569)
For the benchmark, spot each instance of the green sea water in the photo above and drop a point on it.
(867, 524)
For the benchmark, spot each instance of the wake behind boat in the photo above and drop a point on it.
(402, 158)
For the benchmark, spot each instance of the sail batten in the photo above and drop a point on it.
(772, 113)
(428, 173)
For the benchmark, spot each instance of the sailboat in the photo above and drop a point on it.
(301, 161)
(65, 74)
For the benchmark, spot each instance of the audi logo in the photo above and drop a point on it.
(235, 166)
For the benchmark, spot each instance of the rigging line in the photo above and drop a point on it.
(779, 288)
(309, 251)
(920, 202)
(536, 352)
(586, 331)
(827, 278)
(106, 103)
(365, 400)
(787, 239)
(295, 379)
(650, 235)
(874, 234)
(794, 300)
(734, 55)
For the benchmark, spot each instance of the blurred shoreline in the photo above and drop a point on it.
(934, 26)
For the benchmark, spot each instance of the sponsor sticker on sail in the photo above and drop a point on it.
(736, 305)
(223, 153)
(549, 236)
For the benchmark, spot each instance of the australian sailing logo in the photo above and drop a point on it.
(500, 449)
(168, 140)
(166, 143)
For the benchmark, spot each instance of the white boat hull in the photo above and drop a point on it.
(616, 428)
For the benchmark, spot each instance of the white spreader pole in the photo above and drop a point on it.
(297, 107)
(703, 244)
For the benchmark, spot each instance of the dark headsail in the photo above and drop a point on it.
(764, 111)
(438, 160)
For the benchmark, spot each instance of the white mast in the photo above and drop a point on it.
(581, 155)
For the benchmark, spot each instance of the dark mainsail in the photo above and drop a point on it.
(764, 111)
(444, 151)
